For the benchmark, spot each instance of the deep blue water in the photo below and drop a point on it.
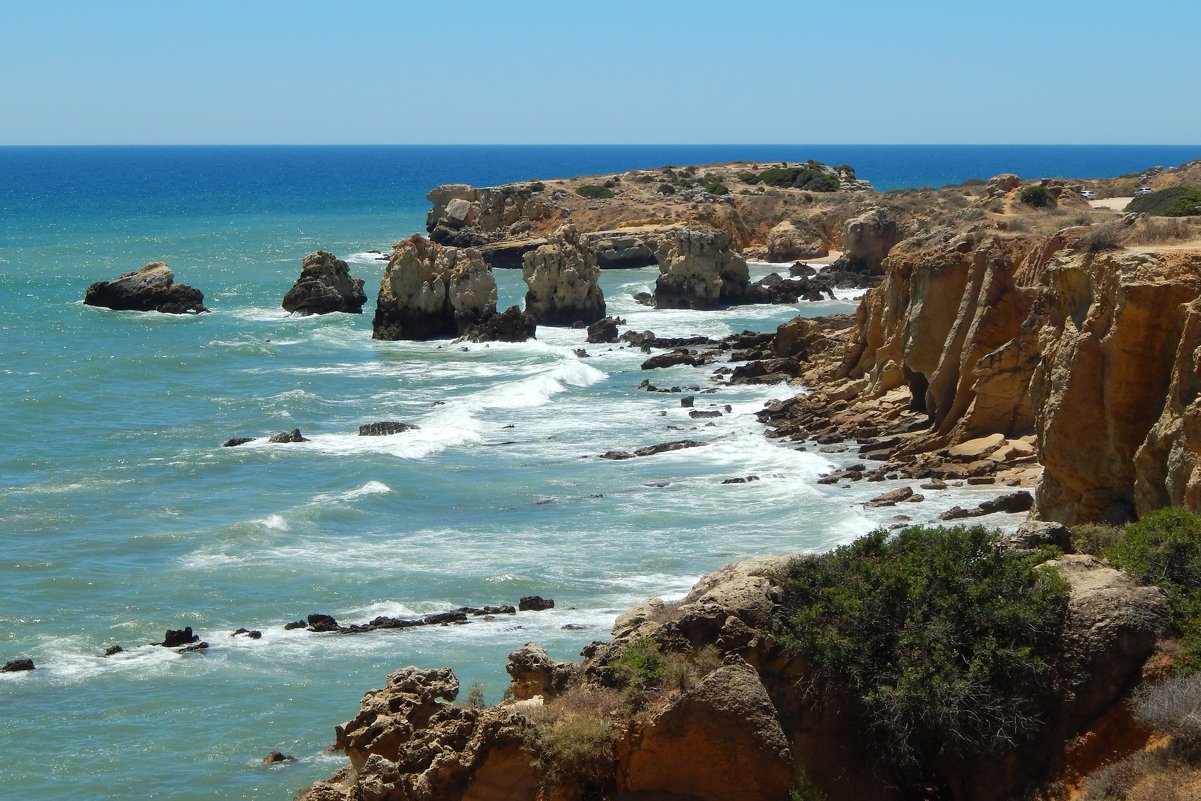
(121, 515)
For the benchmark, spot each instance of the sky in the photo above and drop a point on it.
(582, 72)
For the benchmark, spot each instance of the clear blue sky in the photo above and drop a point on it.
(476, 71)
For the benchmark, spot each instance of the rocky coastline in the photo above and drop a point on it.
(1001, 345)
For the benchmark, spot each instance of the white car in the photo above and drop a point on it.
(1143, 190)
(1088, 194)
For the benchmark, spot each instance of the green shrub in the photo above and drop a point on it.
(715, 186)
(666, 189)
(537, 186)
(1094, 538)
(640, 665)
(941, 636)
(748, 177)
(594, 191)
(810, 177)
(1107, 236)
(1164, 549)
(576, 753)
(1039, 197)
(1175, 201)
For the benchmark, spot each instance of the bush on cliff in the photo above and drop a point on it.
(941, 636)
(594, 191)
(1164, 549)
(810, 177)
(1175, 201)
(1039, 197)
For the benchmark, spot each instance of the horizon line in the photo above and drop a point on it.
(597, 144)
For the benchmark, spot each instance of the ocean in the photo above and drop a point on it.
(122, 516)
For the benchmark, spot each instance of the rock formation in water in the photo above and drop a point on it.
(431, 292)
(867, 238)
(699, 270)
(325, 285)
(733, 723)
(151, 288)
(795, 239)
(563, 280)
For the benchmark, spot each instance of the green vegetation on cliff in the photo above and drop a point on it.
(812, 177)
(1175, 201)
(1039, 197)
(1164, 548)
(942, 636)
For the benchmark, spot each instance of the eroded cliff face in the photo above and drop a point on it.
(735, 724)
(563, 280)
(698, 270)
(1093, 352)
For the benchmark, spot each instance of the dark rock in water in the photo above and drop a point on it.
(687, 401)
(535, 603)
(384, 428)
(200, 646)
(890, 498)
(276, 757)
(696, 414)
(112, 650)
(801, 270)
(177, 637)
(295, 624)
(617, 455)
(573, 627)
(325, 285)
(322, 623)
(17, 665)
(770, 371)
(503, 609)
(253, 634)
(638, 338)
(234, 442)
(442, 618)
(288, 436)
(1021, 501)
(511, 325)
(663, 447)
(645, 298)
(676, 357)
(151, 288)
(740, 480)
(959, 513)
(604, 330)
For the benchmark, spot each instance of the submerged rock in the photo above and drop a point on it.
(151, 288)
(385, 428)
(17, 665)
(177, 637)
(325, 285)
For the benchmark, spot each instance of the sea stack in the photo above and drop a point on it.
(699, 270)
(563, 280)
(432, 292)
(151, 288)
(325, 285)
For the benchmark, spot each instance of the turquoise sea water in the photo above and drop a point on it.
(121, 515)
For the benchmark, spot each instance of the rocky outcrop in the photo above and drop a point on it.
(325, 285)
(430, 292)
(563, 280)
(511, 325)
(699, 270)
(735, 723)
(867, 238)
(793, 239)
(151, 288)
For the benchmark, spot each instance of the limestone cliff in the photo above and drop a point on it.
(699, 270)
(429, 291)
(1091, 351)
(325, 285)
(563, 280)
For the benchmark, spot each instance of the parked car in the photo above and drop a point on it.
(1088, 194)
(1143, 190)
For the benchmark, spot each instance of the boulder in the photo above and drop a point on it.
(151, 288)
(532, 672)
(535, 603)
(563, 280)
(511, 325)
(604, 330)
(866, 240)
(385, 428)
(177, 637)
(429, 292)
(17, 665)
(284, 437)
(699, 270)
(325, 285)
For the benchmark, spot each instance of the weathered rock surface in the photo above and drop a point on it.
(17, 665)
(743, 728)
(430, 292)
(867, 239)
(151, 288)
(385, 428)
(563, 280)
(325, 285)
(511, 325)
(699, 270)
(793, 239)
